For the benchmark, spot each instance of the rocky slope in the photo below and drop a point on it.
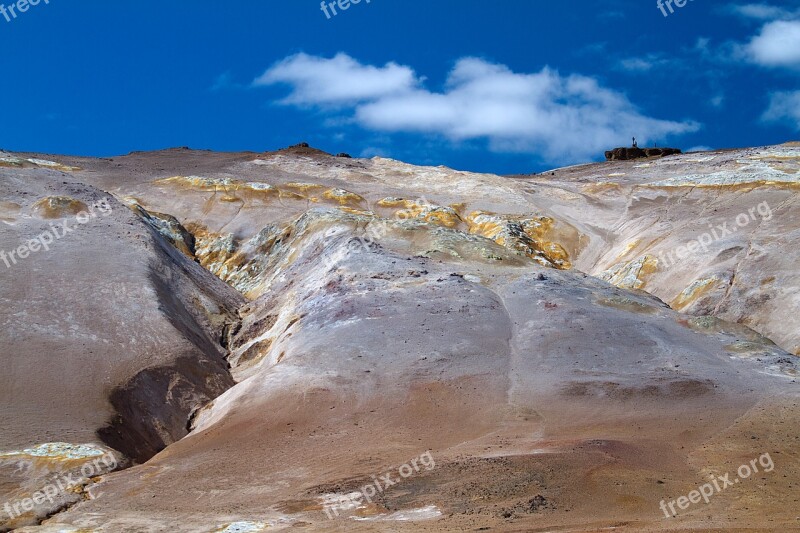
(489, 336)
(110, 336)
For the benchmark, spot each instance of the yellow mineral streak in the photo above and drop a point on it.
(57, 452)
(486, 225)
(442, 216)
(198, 183)
(233, 190)
(131, 201)
(16, 162)
(631, 274)
(10, 162)
(352, 211)
(630, 247)
(302, 188)
(396, 202)
(601, 188)
(693, 292)
(344, 197)
(459, 208)
(58, 207)
(627, 304)
(240, 263)
(447, 217)
(215, 251)
(52, 164)
(528, 235)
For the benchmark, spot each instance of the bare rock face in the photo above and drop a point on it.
(707, 233)
(110, 335)
(320, 342)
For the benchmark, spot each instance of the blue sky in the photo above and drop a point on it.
(503, 86)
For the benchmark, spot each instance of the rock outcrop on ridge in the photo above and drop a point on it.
(626, 154)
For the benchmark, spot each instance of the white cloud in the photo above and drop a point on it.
(561, 118)
(761, 11)
(637, 64)
(777, 45)
(649, 62)
(337, 81)
(784, 107)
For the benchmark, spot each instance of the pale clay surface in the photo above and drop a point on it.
(363, 312)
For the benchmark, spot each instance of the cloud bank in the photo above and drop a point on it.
(777, 45)
(559, 118)
(337, 81)
(762, 11)
(784, 107)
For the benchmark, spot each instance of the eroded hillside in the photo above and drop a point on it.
(363, 313)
